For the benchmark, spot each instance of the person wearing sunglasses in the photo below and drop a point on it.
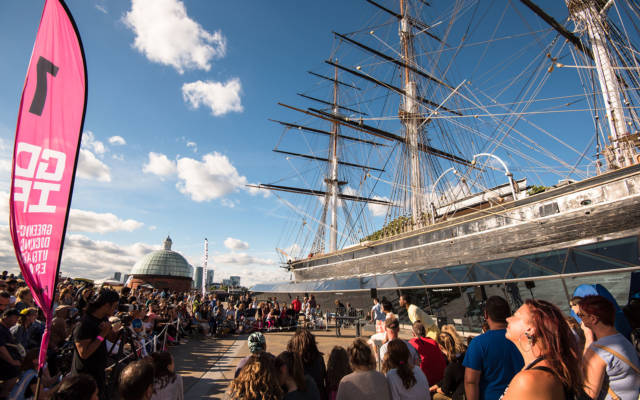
(608, 354)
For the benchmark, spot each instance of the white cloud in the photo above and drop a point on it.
(84, 257)
(255, 191)
(81, 220)
(235, 244)
(95, 259)
(159, 165)
(378, 210)
(165, 34)
(228, 203)
(212, 178)
(101, 8)
(4, 208)
(193, 146)
(89, 142)
(117, 140)
(89, 167)
(6, 165)
(241, 259)
(89, 221)
(220, 98)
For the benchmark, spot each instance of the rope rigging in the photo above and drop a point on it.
(506, 106)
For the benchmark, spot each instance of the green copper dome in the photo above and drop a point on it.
(163, 262)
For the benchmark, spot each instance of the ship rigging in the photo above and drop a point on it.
(458, 134)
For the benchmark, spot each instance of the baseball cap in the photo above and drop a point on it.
(28, 310)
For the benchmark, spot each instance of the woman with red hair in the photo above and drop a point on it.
(611, 354)
(550, 352)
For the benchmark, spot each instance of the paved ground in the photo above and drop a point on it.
(207, 364)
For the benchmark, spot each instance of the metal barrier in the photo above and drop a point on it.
(341, 319)
(140, 349)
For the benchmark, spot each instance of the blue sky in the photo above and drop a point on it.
(245, 55)
(176, 124)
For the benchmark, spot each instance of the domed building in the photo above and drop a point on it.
(163, 269)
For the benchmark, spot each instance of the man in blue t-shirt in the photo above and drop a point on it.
(491, 360)
(377, 315)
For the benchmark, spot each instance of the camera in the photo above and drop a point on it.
(126, 320)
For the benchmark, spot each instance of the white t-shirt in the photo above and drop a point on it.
(415, 357)
(420, 390)
(429, 322)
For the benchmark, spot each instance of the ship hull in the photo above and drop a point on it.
(549, 234)
(587, 212)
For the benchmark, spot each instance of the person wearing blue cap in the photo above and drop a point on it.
(257, 344)
(620, 321)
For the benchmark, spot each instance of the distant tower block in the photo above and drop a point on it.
(197, 277)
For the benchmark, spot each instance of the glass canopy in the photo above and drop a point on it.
(592, 258)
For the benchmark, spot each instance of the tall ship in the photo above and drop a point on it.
(458, 149)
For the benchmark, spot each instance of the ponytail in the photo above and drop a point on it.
(397, 357)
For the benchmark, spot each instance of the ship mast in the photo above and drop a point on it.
(409, 115)
(333, 181)
(591, 15)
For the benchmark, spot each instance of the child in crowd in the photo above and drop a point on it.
(337, 368)
(167, 385)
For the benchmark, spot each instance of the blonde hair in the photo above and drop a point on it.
(22, 291)
(447, 345)
(461, 345)
(257, 380)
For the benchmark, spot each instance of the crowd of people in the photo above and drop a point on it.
(243, 314)
(536, 352)
(95, 332)
(113, 344)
